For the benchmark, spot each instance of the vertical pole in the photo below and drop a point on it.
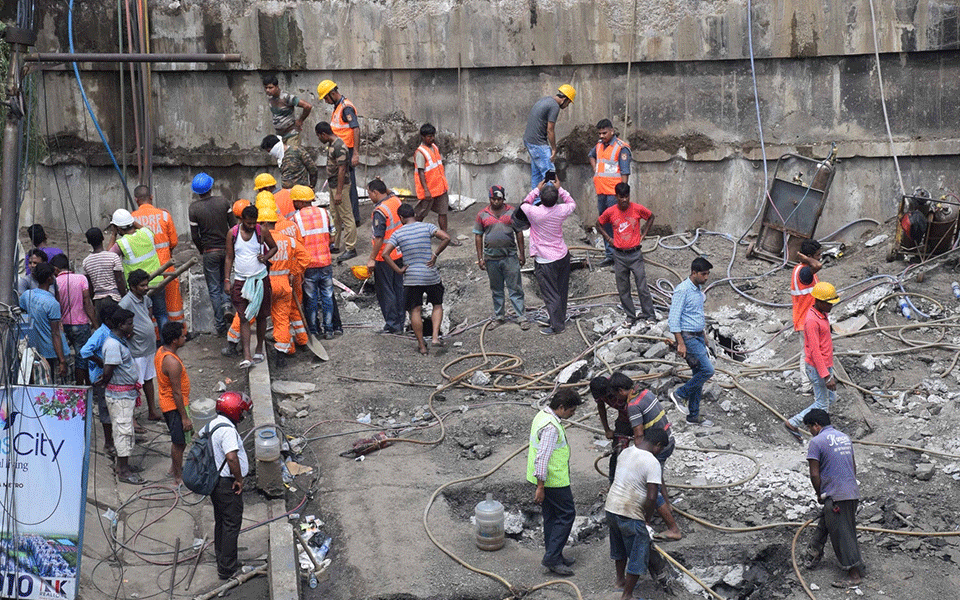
(9, 208)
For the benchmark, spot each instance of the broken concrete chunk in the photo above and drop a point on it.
(658, 350)
(573, 372)
(287, 408)
(479, 378)
(876, 240)
(482, 451)
(293, 388)
(925, 471)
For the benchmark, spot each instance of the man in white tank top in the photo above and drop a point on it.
(249, 249)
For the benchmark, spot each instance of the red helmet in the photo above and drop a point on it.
(233, 405)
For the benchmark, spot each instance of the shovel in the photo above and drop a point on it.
(313, 343)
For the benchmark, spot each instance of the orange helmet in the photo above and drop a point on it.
(239, 205)
(233, 404)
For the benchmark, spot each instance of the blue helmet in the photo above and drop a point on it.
(202, 183)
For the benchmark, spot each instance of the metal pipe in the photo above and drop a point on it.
(9, 209)
(173, 571)
(193, 569)
(101, 57)
(173, 275)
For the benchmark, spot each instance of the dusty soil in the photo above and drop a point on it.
(374, 508)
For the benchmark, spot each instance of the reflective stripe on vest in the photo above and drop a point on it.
(388, 208)
(433, 172)
(315, 231)
(802, 297)
(558, 467)
(607, 174)
(340, 127)
(140, 253)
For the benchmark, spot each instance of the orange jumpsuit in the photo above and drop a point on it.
(164, 231)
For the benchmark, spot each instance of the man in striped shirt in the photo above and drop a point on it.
(687, 323)
(104, 270)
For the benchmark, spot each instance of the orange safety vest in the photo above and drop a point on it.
(432, 171)
(164, 231)
(606, 176)
(388, 208)
(284, 203)
(287, 227)
(291, 257)
(314, 225)
(802, 297)
(165, 394)
(340, 127)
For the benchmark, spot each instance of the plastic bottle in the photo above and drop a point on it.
(324, 549)
(956, 289)
(202, 411)
(905, 308)
(268, 445)
(490, 529)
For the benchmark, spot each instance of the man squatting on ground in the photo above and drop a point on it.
(687, 324)
(624, 217)
(833, 473)
(548, 466)
(420, 274)
(818, 354)
(500, 253)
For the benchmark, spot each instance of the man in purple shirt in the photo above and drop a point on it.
(550, 254)
(833, 473)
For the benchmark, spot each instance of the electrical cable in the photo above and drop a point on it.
(883, 100)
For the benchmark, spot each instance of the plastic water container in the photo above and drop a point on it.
(489, 518)
(267, 445)
(202, 412)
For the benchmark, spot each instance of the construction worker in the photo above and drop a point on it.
(264, 182)
(298, 327)
(346, 125)
(610, 160)
(160, 222)
(387, 282)
(289, 263)
(314, 225)
(337, 169)
(431, 181)
(296, 165)
(802, 281)
(540, 137)
(282, 110)
(136, 248)
(210, 219)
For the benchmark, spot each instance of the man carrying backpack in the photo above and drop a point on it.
(231, 458)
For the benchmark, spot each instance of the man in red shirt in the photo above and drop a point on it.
(625, 218)
(818, 355)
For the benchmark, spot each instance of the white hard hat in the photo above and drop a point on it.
(122, 218)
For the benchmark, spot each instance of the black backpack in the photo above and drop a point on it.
(200, 472)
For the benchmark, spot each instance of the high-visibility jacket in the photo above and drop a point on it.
(558, 467)
(284, 203)
(314, 225)
(606, 176)
(388, 208)
(288, 227)
(432, 171)
(802, 296)
(139, 253)
(164, 231)
(291, 257)
(341, 128)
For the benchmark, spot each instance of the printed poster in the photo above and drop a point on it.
(43, 443)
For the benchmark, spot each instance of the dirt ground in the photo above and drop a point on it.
(374, 508)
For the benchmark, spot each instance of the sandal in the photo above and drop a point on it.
(258, 358)
(844, 584)
(132, 479)
(455, 242)
(245, 364)
(135, 469)
(794, 432)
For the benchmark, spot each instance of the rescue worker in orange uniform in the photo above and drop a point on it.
(346, 125)
(387, 282)
(286, 269)
(313, 223)
(802, 281)
(431, 180)
(160, 222)
(610, 160)
(265, 182)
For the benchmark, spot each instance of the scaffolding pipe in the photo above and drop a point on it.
(96, 57)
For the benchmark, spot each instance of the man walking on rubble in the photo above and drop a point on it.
(802, 281)
(687, 324)
(818, 355)
(540, 137)
(548, 466)
(833, 473)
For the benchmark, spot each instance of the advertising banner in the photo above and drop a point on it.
(43, 443)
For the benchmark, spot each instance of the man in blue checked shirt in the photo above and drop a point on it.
(687, 324)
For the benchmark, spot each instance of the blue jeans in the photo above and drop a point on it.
(605, 201)
(159, 308)
(213, 265)
(318, 293)
(505, 271)
(540, 163)
(822, 397)
(77, 336)
(629, 541)
(699, 360)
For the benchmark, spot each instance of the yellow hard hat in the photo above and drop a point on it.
(361, 272)
(264, 180)
(826, 292)
(325, 87)
(267, 214)
(568, 91)
(239, 205)
(302, 193)
(265, 200)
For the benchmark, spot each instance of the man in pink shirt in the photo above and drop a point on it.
(551, 257)
(625, 217)
(818, 355)
(76, 306)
